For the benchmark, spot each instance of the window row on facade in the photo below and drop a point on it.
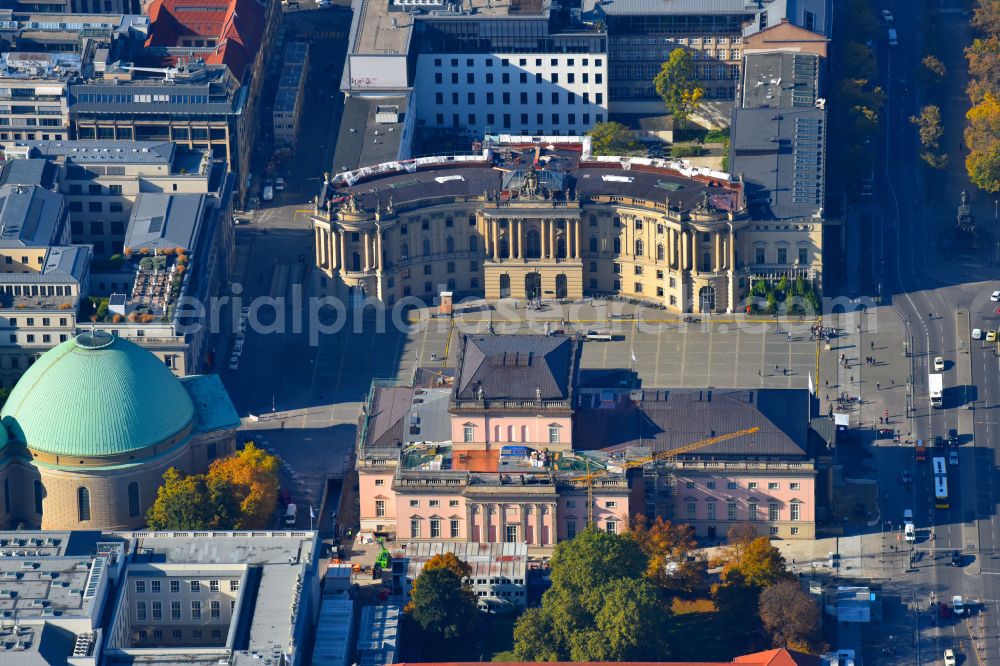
(194, 586)
(155, 610)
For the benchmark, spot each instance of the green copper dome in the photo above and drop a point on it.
(96, 395)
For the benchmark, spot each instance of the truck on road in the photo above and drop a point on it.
(935, 383)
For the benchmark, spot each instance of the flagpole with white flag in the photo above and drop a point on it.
(312, 516)
(812, 391)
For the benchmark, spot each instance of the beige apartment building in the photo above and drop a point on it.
(102, 179)
(34, 99)
(577, 225)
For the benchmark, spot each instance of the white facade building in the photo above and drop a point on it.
(518, 93)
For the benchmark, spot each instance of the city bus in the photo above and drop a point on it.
(939, 467)
(941, 492)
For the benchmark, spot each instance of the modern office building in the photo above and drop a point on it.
(92, 425)
(641, 36)
(540, 217)
(74, 6)
(481, 66)
(90, 598)
(500, 453)
(81, 34)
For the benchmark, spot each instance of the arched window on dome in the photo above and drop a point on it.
(83, 503)
(133, 499)
(39, 494)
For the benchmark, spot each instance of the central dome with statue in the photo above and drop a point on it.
(92, 425)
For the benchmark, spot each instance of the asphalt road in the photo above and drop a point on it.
(926, 276)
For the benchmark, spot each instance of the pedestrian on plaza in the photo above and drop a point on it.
(789, 337)
(758, 372)
(784, 371)
(878, 386)
(893, 381)
(873, 345)
(775, 368)
(826, 382)
(852, 379)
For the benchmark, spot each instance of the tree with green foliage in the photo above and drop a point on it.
(192, 502)
(600, 606)
(678, 86)
(443, 605)
(613, 138)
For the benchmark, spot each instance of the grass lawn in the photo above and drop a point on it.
(697, 634)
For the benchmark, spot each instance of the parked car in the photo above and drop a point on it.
(977, 334)
(887, 16)
(995, 296)
(267, 191)
(952, 437)
(991, 336)
(907, 477)
(949, 657)
(956, 558)
(908, 517)
(953, 457)
(944, 610)
(938, 364)
(279, 184)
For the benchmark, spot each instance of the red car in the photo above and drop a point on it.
(944, 610)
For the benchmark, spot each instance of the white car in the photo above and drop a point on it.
(995, 296)
(234, 363)
(958, 605)
(279, 184)
(323, 4)
(977, 334)
(949, 657)
(938, 364)
(887, 16)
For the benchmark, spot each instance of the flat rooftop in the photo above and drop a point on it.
(362, 139)
(780, 80)
(385, 26)
(103, 151)
(263, 622)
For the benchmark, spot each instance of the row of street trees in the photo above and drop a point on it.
(982, 131)
(238, 492)
(854, 115)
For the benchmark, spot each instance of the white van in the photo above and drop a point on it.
(909, 534)
(290, 515)
(893, 40)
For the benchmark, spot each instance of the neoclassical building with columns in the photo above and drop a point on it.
(543, 218)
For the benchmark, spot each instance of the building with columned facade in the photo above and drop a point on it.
(541, 217)
(499, 452)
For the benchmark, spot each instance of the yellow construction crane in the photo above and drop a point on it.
(589, 477)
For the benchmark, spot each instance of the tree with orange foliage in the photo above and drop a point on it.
(253, 475)
(675, 561)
